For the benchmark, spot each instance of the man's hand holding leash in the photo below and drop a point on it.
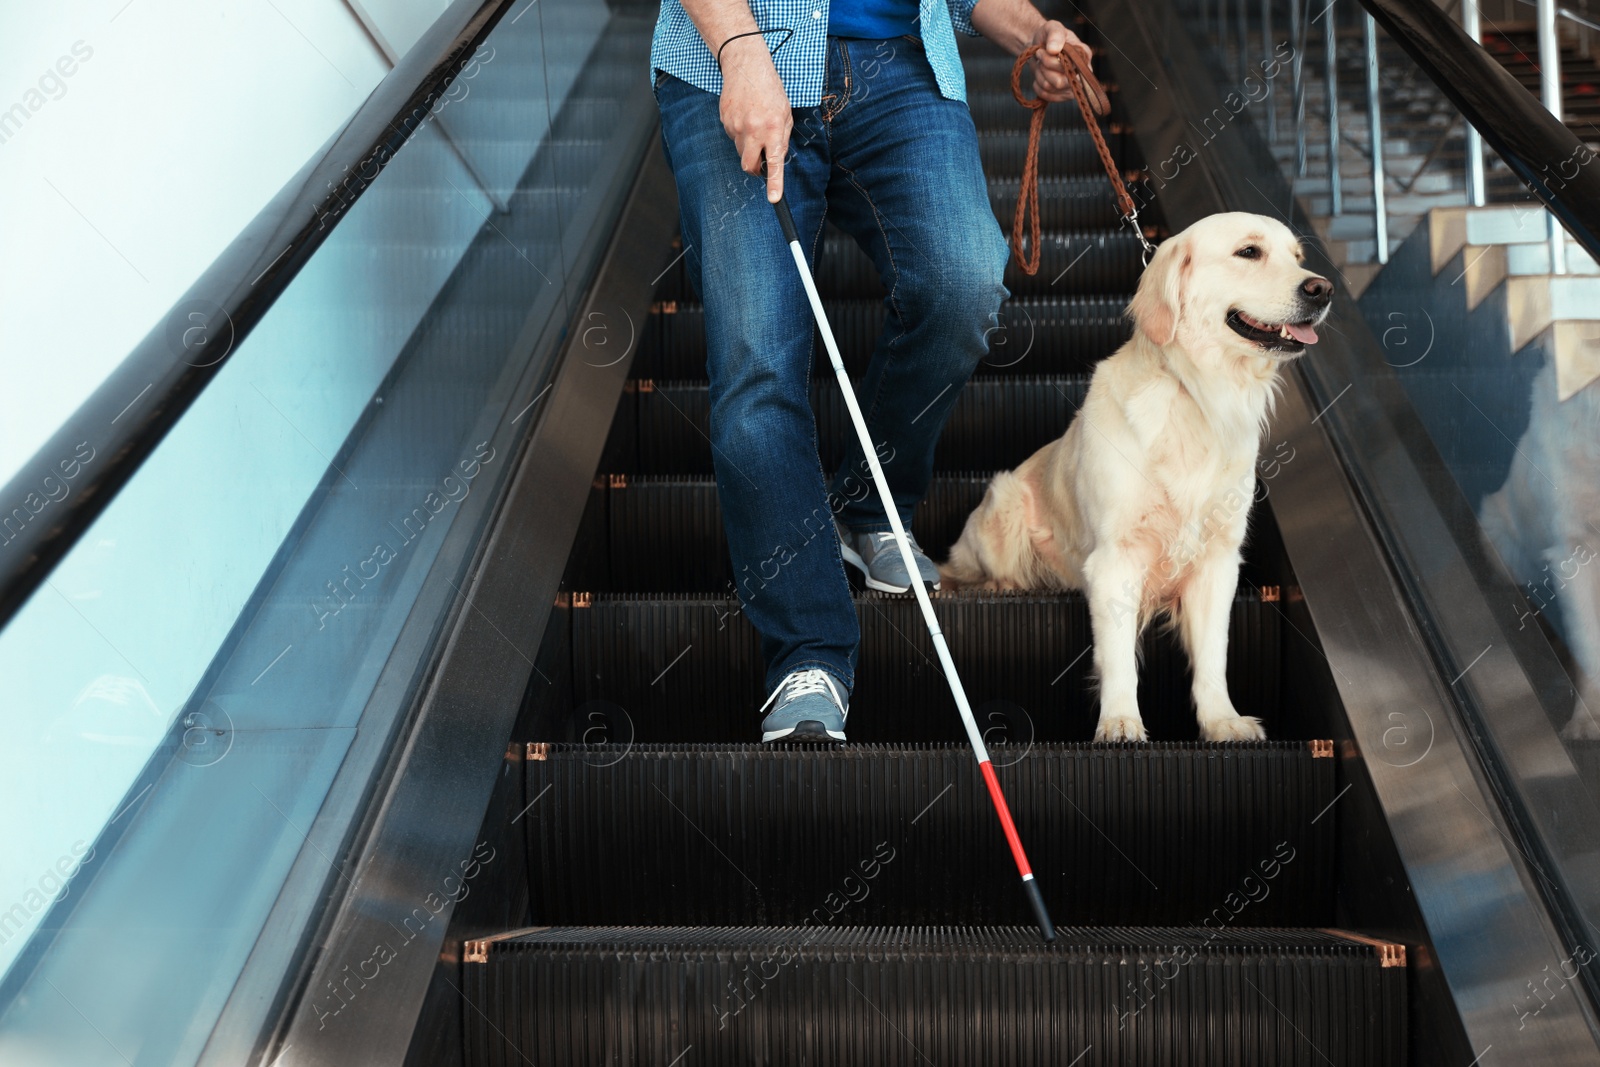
(1016, 25)
(1051, 70)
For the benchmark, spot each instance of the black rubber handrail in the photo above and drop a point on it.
(1538, 147)
(59, 493)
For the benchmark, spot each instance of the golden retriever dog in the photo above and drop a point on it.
(1143, 502)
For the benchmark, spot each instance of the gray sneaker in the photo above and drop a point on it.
(810, 708)
(877, 557)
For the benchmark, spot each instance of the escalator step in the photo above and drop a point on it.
(634, 522)
(996, 108)
(1089, 262)
(996, 423)
(721, 826)
(989, 70)
(1080, 204)
(1065, 202)
(1072, 261)
(688, 668)
(1148, 997)
(1051, 335)
(1062, 150)
(650, 519)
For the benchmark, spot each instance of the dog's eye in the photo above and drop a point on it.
(1249, 252)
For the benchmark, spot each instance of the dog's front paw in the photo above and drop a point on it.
(1236, 728)
(1120, 728)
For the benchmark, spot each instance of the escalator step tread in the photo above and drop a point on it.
(1073, 260)
(995, 424)
(639, 521)
(648, 519)
(1062, 150)
(1033, 335)
(996, 108)
(722, 824)
(1065, 201)
(909, 995)
(688, 667)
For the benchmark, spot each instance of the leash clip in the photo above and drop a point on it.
(1132, 219)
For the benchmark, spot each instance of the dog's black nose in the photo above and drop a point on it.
(1318, 289)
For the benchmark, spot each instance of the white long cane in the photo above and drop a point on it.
(979, 749)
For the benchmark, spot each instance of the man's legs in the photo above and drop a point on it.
(786, 563)
(908, 184)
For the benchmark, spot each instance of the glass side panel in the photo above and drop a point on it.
(197, 675)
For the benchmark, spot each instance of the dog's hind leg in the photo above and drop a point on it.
(1202, 610)
(1115, 583)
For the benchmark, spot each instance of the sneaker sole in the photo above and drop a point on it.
(852, 557)
(807, 730)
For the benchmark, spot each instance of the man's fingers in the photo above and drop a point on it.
(1070, 40)
(1053, 76)
(1051, 82)
(1052, 95)
(1058, 65)
(766, 162)
(775, 153)
(750, 157)
(1058, 37)
(1053, 69)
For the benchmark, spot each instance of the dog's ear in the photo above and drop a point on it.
(1158, 304)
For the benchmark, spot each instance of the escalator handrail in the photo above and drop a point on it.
(1547, 156)
(55, 497)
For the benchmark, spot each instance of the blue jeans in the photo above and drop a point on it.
(893, 163)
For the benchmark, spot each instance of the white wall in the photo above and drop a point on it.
(399, 22)
(121, 182)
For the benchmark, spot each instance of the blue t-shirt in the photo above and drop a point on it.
(873, 19)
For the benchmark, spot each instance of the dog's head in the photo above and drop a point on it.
(1232, 283)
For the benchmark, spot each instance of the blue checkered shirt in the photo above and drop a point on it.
(803, 62)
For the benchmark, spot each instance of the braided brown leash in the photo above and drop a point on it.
(1092, 101)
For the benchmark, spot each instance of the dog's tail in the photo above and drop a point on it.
(986, 554)
(963, 568)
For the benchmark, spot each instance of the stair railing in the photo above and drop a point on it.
(1330, 52)
(1477, 189)
(1550, 92)
(1380, 211)
(1526, 131)
(1529, 135)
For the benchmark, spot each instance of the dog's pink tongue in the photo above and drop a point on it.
(1306, 335)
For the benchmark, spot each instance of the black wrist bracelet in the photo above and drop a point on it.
(786, 31)
(730, 40)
